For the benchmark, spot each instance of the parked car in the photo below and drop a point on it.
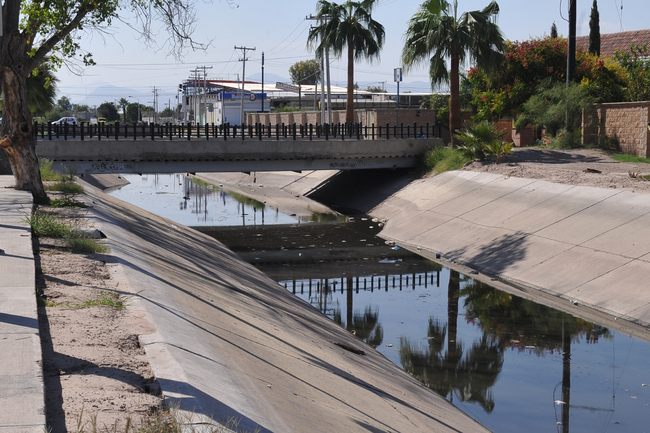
(63, 120)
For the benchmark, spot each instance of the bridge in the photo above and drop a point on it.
(102, 155)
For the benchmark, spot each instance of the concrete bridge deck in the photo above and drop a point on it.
(218, 155)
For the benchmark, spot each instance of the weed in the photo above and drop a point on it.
(47, 174)
(476, 137)
(106, 299)
(441, 159)
(46, 224)
(83, 244)
(66, 187)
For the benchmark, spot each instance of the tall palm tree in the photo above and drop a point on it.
(347, 26)
(436, 33)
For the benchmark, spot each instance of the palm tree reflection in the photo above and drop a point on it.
(449, 373)
(506, 322)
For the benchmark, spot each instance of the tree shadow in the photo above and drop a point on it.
(496, 256)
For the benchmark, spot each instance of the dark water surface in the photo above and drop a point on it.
(509, 363)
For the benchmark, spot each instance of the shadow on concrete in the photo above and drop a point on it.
(359, 190)
(496, 256)
(547, 156)
(12, 319)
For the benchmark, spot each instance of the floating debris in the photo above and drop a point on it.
(559, 402)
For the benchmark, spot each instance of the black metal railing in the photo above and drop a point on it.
(258, 131)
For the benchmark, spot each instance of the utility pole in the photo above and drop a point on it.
(329, 86)
(243, 81)
(155, 105)
(262, 98)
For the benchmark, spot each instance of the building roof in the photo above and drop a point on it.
(610, 42)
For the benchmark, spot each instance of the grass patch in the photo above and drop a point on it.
(106, 299)
(82, 244)
(67, 202)
(622, 157)
(47, 173)
(66, 187)
(45, 224)
(441, 159)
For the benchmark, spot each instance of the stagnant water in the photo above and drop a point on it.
(509, 363)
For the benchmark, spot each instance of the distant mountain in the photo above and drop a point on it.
(109, 93)
(268, 78)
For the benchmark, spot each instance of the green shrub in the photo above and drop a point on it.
(83, 244)
(47, 174)
(498, 149)
(441, 159)
(475, 137)
(45, 224)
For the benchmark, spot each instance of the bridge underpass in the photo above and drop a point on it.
(94, 156)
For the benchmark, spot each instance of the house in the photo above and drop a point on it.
(611, 42)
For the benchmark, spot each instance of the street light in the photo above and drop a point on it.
(139, 118)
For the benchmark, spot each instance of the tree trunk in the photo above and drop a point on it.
(18, 140)
(349, 107)
(455, 120)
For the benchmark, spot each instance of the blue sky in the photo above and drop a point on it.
(279, 29)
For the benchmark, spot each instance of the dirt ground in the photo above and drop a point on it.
(586, 167)
(96, 372)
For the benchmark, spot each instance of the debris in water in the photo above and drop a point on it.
(559, 402)
(387, 261)
(389, 345)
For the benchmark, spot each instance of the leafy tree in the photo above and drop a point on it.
(65, 104)
(168, 112)
(553, 105)
(554, 31)
(440, 103)
(33, 30)
(531, 62)
(436, 33)
(637, 64)
(305, 72)
(108, 110)
(375, 89)
(594, 30)
(347, 26)
(132, 112)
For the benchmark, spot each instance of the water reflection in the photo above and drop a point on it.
(193, 202)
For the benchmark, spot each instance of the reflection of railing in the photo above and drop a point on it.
(371, 282)
(258, 131)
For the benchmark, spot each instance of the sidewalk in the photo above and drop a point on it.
(22, 404)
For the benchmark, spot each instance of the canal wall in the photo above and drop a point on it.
(580, 249)
(230, 343)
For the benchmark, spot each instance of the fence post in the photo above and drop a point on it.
(372, 130)
(294, 131)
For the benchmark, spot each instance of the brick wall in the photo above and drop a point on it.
(627, 121)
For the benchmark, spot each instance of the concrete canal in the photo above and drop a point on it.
(510, 363)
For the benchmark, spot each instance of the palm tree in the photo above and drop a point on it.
(436, 33)
(123, 103)
(348, 25)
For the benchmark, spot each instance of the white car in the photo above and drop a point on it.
(68, 120)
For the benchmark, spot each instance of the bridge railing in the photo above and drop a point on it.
(258, 131)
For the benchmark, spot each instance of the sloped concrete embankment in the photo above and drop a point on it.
(583, 245)
(232, 343)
